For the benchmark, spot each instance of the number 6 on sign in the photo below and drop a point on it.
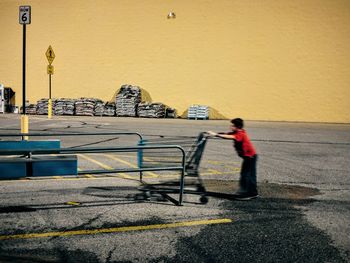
(24, 14)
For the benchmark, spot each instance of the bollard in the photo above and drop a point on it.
(49, 109)
(24, 126)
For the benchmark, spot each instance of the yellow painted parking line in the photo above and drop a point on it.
(233, 168)
(102, 177)
(209, 172)
(126, 156)
(113, 157)
(213, 171)
(88, 175)
(170, 175)
(116, 229)
(73, 203)
(230, 169)
(95, 162)
(221, 162)
(214, 162)
(107, 167)
(149, 160)
(27, 180)
(57, 177)
(119, 160)
(161, 158)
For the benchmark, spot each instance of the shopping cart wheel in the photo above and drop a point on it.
(143, 196)
(203, 199)
(147, 194)
(161, 199)
(138, 197)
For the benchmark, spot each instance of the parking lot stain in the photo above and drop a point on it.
(266, 190)
(268, 229)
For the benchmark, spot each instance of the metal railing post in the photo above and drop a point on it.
(182, 179)
(140, 157)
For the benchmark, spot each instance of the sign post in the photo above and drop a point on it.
(50, 55)
(24, 19)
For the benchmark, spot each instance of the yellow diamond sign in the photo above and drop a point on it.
(50, 55)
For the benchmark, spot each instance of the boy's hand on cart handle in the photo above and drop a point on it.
(211, 133)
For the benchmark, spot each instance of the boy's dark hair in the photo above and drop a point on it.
(238, 122)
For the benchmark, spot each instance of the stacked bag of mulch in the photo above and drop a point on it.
(85, 106)
(151, 110)
(127, 100)
(109, 109)
(31, 109)
(99, 108)
(170, 113)
(42, 106)
(104, 109)
(64, 106)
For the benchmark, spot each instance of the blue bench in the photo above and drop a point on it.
(53, 165)
(14, 167)
(53, 145)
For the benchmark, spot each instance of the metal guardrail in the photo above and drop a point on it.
(66, 151)
(181, 168)
(68, 134)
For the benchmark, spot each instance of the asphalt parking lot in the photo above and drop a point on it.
(302, 214)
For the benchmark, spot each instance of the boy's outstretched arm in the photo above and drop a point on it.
(221, 135)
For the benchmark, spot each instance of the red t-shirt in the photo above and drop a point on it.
(242, 144)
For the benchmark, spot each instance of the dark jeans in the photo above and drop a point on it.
(247, 182)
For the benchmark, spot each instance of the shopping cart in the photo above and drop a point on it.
(192, 184)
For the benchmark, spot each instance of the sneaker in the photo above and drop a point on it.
(246, 197)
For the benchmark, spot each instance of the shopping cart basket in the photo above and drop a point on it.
(193, 183)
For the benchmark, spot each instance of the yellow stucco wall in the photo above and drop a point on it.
(257, 59)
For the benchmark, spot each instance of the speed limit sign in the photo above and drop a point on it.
(24, 14)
